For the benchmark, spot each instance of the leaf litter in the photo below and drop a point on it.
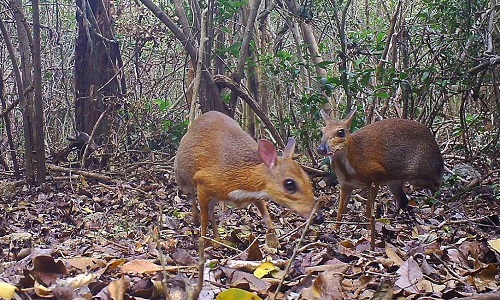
(134, 238)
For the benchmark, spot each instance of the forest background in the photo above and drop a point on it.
(133, 74)
(106, 89)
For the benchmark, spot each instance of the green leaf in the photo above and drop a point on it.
(382, 95)
(324, 64)
(425, 75)
(237, 294)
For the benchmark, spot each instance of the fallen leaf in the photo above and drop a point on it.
(385, 291)
(237, 294)
(42, 291)
(140, 266)
(77, 281)
(118, 288)
(326, 287)
(47, 270)
(254, 252)
(391, 253)
(47, 264)
(410, 275)
(7, 290)
(264, 269)
(495, 244)
(239, 279)
(86, 263)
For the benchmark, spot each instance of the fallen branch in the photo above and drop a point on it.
(87, 174)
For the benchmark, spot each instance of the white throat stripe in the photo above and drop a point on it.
(242, 195)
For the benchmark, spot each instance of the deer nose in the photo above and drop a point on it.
(324, 150)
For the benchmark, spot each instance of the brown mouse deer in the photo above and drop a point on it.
(218, 161)
(390, 151)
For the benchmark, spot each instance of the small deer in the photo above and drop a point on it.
(391, 151)
(218, 161)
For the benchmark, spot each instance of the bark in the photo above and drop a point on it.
(341, 27)
(15, 69)
(8, 130)
(38, 118)
(26, 101)
(96, 73)
(312, 46)
(247, 38)
(199, 65)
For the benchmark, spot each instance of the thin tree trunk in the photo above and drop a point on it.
(247, 37)
(8, 130)
(38, 118)
(26, 103)
(19, 85)
(312, 46)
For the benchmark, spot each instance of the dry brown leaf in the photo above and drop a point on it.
(326, 287)
(410, 275)
(77, 281)
(140, 266)
(458, 258)
(335, 266)
(47, 270)
(254, 252)
(86, 263)
(385, 291)
(147, 289)
(241, 279)
(42, 291)
(429, 287)
(391, 253)
(118, 288)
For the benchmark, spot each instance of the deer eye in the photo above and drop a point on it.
(290, 185)
(341, 133)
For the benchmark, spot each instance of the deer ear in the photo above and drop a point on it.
(268, 153)
(289, 148)
(326, 117)
(350, 116)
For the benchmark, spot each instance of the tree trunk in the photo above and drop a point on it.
(38, 119)
(27, 104)
(96, 83)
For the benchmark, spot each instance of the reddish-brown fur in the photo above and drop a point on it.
(220, 162)
(392, 152)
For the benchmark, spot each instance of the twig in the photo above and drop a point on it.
(161, 257)
(199, 66)
(296, 249)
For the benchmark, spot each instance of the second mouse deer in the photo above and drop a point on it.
(391, 151)
(218, 161)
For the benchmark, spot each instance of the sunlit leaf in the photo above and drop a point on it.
(77, 281)
(264, 269)
(495, 244)
(237, 294)
(7, 290)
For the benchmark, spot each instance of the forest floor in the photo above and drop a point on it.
(132, 237)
